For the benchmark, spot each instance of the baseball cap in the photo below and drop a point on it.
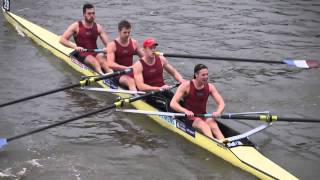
(149, 42)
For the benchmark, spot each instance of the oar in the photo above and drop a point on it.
(296, 63)
(181, 114)
(119, 103)
(244, 116)
(268, 118)
(113, 90)
(83, 82)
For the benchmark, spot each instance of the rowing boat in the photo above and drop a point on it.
(240, 151)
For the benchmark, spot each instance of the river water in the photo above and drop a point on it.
(118, 146)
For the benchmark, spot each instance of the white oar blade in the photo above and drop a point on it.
(302, 63)
(3, 142)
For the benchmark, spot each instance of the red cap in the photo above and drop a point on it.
(149, 42)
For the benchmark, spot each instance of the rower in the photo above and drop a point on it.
(85, 33)
(120, 54)
(195, 94)
(148, 74)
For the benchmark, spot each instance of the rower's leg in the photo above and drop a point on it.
(128, 81)
(102, 59)
(215, 128)
(93, 62)
(202, 126)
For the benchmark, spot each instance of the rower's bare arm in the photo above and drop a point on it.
(139, 49)
(138, 77)
(180, 92)
(103, 35)
(111, 57)
(171, 70)
(64, 38)
(217, 98)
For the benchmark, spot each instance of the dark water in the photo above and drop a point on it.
(117, 146)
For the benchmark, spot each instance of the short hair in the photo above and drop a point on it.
(86, 6)
(197, 68)
(124, 24)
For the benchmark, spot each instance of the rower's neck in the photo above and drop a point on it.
(149, 60)
(198, 84)
(124, 41)
(87, 24)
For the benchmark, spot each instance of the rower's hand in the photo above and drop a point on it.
(189, 113)
(79, 49)
(182, 81)
(216, 114)
(165, 87)
(104, 50)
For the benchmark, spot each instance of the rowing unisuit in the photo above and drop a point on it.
(124, 55)
(153, 74)
(87, 38)
(196, 99)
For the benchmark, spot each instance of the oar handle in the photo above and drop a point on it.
(94, 50)
(153, 92)
(115, 73)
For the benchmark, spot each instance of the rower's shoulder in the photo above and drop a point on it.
(211, 87)
(100, 27)
(74, 24)
(111, 46)
(163, 59)
(134, 41)
(137, 66)
(185, 84)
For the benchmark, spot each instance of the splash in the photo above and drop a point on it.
(34, 162)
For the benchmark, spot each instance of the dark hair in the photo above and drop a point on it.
(197, 68)
(124, 24)
(86, 6)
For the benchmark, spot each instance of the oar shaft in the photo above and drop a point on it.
(38, 95)
(82, 82)
(62, 122)
(269, 118)
(159, 113)
(290, 119)
(116, 104)
(221, 58)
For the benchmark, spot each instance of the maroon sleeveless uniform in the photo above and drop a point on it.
(196, 99)
(87, 38)
(153, 74)
(124, 55)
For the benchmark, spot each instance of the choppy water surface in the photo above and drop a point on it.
(118, 146)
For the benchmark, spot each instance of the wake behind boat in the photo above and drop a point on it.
(240, 151)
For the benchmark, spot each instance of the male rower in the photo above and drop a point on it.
(195, 94)
(85, 33)
(148, 73)
(120, 54)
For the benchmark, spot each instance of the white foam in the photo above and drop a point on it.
(35, 163)
(22, 172)
(20, 32)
